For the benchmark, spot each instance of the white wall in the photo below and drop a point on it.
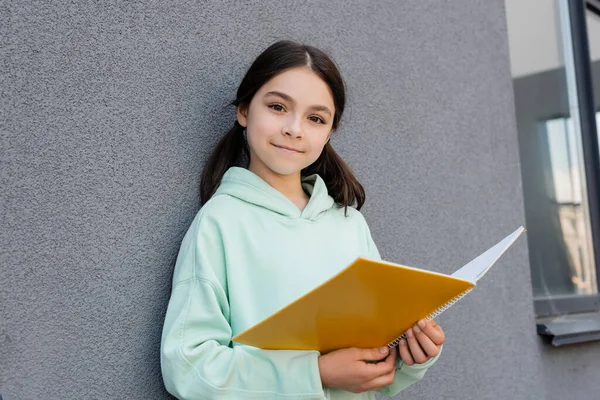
(534, 36)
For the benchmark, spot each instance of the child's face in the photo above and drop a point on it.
(288, 122)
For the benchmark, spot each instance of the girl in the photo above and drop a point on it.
(267, 233)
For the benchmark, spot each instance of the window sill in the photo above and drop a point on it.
(569, 329)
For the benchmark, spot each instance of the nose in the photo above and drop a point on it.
(292, 128)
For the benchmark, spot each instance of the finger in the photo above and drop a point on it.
(376, 354)
(429, 347)
(391, 359)
(405, 353)
(435, 325)
(387, 375)
(434, 332)
(381, 381)
(389, 362)
(415, 348)
(385, 366)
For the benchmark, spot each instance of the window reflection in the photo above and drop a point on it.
(565, 193)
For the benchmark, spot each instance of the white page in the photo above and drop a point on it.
(474, 270)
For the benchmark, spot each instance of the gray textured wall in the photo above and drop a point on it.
(109, 109)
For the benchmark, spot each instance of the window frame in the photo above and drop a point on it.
(587, 112)
(576, 318)
(593, 5)
(591, 154)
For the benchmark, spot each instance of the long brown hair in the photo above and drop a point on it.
(232, 149)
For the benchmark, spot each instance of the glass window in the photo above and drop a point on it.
(566, 208)
(554, 172)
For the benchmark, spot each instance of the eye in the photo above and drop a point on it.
(277, 107)
(316, 119)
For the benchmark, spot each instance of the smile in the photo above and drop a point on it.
(287, 149)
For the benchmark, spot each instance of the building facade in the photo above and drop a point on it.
(109, 112)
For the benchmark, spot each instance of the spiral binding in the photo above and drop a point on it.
(433, 315)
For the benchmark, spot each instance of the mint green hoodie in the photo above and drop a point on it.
(248, 252)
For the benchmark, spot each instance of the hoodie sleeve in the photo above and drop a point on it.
(197, 358)
(405, 375)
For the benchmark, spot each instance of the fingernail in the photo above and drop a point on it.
(422, 323)
(409, 333)
(402, 342)
(416, 329)
(384, 350)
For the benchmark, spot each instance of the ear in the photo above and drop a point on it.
(242, 116)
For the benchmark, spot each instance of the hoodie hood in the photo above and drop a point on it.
(249, 187)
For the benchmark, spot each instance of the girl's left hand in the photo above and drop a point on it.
(423, 341)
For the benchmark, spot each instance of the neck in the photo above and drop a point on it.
(288, 185)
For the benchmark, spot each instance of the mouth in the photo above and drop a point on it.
(287, 149)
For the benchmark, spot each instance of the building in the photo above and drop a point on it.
(465, 120)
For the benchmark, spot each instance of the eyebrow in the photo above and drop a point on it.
(289, 98)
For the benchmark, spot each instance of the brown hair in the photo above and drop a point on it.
(232, 149)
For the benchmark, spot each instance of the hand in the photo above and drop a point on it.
(423, 341)
(346, 369)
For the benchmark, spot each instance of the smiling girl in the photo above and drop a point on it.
(277, 220)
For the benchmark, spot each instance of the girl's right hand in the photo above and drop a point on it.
(347, 369)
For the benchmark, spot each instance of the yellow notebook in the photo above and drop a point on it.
(368, 304)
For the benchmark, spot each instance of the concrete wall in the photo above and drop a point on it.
(109, 110)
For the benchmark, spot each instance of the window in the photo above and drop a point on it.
(559, 152)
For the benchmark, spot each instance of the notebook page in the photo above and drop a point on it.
(474, 270)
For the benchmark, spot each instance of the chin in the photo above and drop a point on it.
(285, 170)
